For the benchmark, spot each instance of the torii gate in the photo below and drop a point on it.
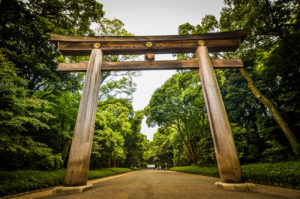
(201, 44)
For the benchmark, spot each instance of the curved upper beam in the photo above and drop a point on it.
(124, 45)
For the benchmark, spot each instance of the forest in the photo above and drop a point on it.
(261, 100)
(38, 105)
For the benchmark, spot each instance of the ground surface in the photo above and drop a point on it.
(155, 184)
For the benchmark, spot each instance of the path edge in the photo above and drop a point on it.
(50, 189)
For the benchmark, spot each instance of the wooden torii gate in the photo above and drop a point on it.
(201, 44)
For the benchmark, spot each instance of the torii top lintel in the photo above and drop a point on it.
(135, 45)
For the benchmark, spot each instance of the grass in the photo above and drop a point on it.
(283, 174)
(13, 182)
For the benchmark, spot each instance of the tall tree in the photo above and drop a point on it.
(272, 54)
(271, 47)
(179, 103)
(117, 139)
(25, 37)
(20, 118)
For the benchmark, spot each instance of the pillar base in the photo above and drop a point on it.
(75, 189)
(240, 187)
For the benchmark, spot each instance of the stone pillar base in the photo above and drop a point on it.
(241, 187)
(76, 189)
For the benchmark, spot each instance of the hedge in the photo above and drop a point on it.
(13, 182)
(282, 174)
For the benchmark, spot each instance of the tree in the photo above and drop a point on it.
(116, 84)
(163, 146)
(273, 31)
(272, 53)
(20, 118)
(117, 139)
(25, 37)
(179, 103)
(39, 105)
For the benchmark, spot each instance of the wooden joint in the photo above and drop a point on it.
(149, 44)
(97, 45)
(201, 42)
(150, 56)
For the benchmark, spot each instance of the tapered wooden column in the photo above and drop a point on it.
(79, 159)
(226, 154)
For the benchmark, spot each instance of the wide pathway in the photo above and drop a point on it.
(155, 184)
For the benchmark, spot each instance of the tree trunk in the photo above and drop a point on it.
(275, 113)
(189, 150)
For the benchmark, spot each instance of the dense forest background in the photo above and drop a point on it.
(38, 105)
(262, 100)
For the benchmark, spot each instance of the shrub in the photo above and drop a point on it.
(23, 152)
(283, 174)
(207, 171)
(13, 182)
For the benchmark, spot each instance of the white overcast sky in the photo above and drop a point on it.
(157, 17)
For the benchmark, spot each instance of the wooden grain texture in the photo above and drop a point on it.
(80, 153)
(139, 47)
(226, 154)
(151, 65)
(218, 35)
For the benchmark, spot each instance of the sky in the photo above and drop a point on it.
(157, 17)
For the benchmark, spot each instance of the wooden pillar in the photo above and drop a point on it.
(226, 154)
(80, 153)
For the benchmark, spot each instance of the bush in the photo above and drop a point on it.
(107, 172)
(207, 171)
(283, 174)
(18, 152)
(13, 182)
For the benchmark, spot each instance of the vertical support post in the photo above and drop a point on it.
(80, 153)
(226, 154)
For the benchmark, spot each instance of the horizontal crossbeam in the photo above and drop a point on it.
(135, 45)
(150, 65)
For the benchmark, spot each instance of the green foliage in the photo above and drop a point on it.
(116, 84)
(13, 182)
(100, 173)
(207, 171)
(271, 54)
(21, 152)
(18, 112)
(21, 116)
(162, 147)
(208, 24)
(113, 27)
(25, 37)
(38, 105)
(283, 174)
(122, 88)
(117, 138)
(179, 104)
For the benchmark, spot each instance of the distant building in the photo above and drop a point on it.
(151, 166)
